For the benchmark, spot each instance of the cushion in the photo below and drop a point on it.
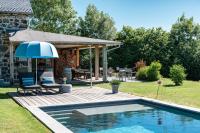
(51, 85)
(27, 81)
(48, 80)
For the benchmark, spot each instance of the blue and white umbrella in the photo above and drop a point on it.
(36, 49)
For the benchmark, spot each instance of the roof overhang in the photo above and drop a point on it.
(57, 39)
(16, 13)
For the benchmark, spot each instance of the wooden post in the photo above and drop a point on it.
(96, 62)
(77, 57)
(90, 66)
(11, 63)
(29, 65)
(105, 64)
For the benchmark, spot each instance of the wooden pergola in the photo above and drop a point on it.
(63, 41)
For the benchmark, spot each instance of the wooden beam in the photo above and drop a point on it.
(77, 57)
(105, 64)
(96, 62)
(29, 65)
(80, 46)
(11, 63)
(90, 50)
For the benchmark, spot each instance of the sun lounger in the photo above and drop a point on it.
(48, 81)
(27, 83)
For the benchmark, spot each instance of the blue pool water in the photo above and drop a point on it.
(129, 118)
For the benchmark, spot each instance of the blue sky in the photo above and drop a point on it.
(143, 13)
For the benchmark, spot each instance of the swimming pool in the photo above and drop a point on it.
(125, 117)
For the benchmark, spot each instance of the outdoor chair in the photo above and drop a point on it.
(134, 71)
(48, 81)
(122, 74)
(27, 83)
(129, 73)
(101, 71)
(110, 71)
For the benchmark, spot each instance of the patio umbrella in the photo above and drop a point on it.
(36, 49)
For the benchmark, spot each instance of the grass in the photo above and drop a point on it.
(15, 119)
(187, 94)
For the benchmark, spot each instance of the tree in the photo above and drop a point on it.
(155, 47)
(56, 16)
(147, 44)
(97, 24)
(185, 46)
(129, 52)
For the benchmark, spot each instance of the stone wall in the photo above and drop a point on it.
(8, 23)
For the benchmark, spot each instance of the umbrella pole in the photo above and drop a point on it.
(90, 67)
(36, 71)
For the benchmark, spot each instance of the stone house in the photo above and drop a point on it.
(14, 16)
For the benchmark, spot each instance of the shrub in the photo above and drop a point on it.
(153, 72)
(177, 74)
(115, 82)
(142, 73)
(140, 64)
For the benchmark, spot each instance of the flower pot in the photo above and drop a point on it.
(115, 89)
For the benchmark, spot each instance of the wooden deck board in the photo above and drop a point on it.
(78, 95)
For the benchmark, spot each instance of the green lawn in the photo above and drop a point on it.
(15, 119)
(187, 94)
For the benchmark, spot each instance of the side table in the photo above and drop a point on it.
(66, 88)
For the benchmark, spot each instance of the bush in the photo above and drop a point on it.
(177, 74)
(153, 71)
(140, 64)
(142, 73)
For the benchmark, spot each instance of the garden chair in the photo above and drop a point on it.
(129, 73)
(110, 71)
(122, 75)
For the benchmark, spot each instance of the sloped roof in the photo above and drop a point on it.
(33, 35)
(15, 6)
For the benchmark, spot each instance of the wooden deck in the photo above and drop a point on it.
(77, 96)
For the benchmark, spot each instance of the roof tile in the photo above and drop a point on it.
(15, 6)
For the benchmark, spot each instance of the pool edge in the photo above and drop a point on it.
(57, 127)
(48, 121)
(171, 105)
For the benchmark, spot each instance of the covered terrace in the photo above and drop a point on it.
(68, 48)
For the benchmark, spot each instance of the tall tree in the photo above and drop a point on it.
(185, 45)
(97, 24)
(54, 16)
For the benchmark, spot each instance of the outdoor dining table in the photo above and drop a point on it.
(125, 73)
(82, 72)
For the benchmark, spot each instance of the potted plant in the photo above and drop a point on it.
(64, 80)
(115, 85)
